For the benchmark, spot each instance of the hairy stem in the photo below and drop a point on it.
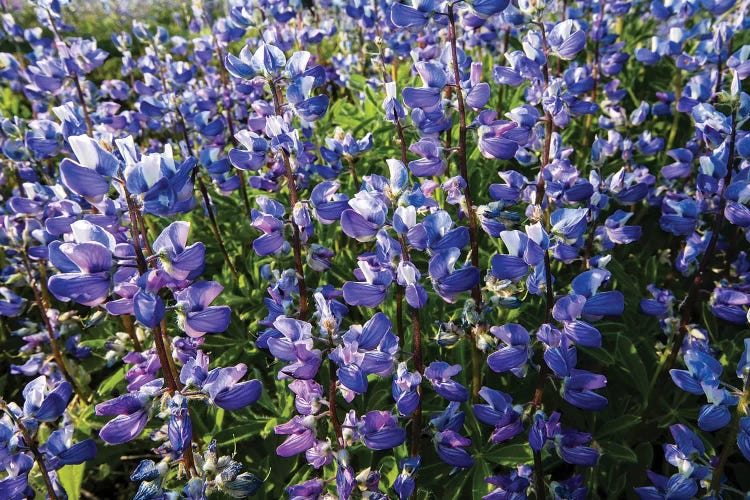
(31, 443)
(56, 352)
(159, 333)
(476, 292)
(292, 185)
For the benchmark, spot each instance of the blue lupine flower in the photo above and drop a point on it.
(414, 16)
(500, 413)
(379, 430)
(371, 291)
(449, 445)
(404, 389)
(446, 281)
(291, 341)
(404, 484)
(12, 303)
(440, 374)
(512, 486)
(85, 265)
(45, 400)
(514, 355)
(301, 432)
(164, 185)
(196, 316)
(365, 216)
(178, 259)
(253, 157)
(130, 411)
(369, 349)
(180, 426)
(523, 251)
(59, 449)
(676, 487)
(91, 174)
(743, 437)
(565, 40)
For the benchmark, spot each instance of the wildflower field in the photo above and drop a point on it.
(320, 249)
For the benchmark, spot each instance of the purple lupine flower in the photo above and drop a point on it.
(450, 448)
(447, 281)
(515, 354)
(292, 341)
(565, 40)
(45, 400)
(371, 290)
(379, 430)
(221, 385)
(500, 413)
(175, 257)
(301, 432)
(367, 213)
(404, 484)
(440, 374)
(130, 411)
(91, 174)
(404, 389)
(196, 316)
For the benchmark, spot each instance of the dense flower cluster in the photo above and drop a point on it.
(286, 232)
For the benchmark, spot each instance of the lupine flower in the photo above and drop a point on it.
(196, 316)
(514, 355)
(404, 389)
(500, 413)
(440, 374)
(378, 430)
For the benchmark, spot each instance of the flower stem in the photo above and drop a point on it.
(686, 309)
(31, 443)
(56, 352)
(731, 438)
(292, 185)
(227, 102)
(159, 333)
(476, 292)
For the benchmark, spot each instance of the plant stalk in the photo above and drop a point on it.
(292, 185)
(476, 292)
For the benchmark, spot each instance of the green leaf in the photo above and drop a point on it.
(511, 455)
(111, 382)
(618, 453)
(71, 477)
(481, 471)
(618, 424)
(632, 364)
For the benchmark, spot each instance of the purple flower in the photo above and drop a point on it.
(449, 445)
(440, 374)
(515, 354)
(301, 432)
(131, 414)
(379, 430)
(446, 281)
(404, 389)
(178, 260)
(500, 413)
(196, 317)
(565, 40)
